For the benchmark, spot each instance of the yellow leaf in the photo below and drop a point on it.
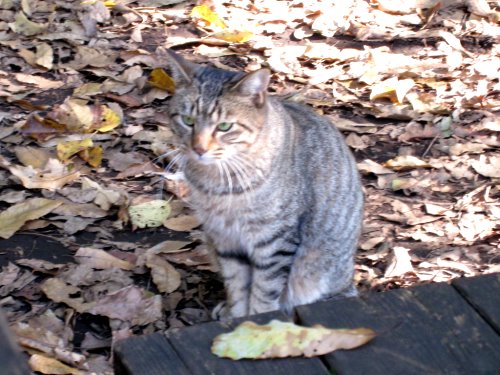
(282, 339)
(67, 149)
(110, 119)
(405, 163)
(160, 79)
(95, 156)
(211, 19)
(234, 36)
(46, 365)
(15, 216)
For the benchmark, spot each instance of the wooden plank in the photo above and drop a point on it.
(12, 362)
(482, 292)
(147, 355)
(427, 329)
(193, 345)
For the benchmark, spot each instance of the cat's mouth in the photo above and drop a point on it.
(206, 159)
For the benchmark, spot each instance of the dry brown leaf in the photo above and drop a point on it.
(51, 366)
(13, 218)
(58, 291)
(130, 304)
(165, 276)
(100, 259)
(53, 176)
(183, 223)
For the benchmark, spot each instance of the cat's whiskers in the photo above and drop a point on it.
(221, 173)
(174, 161)
(248, 168)
(228, 174)
(243, 159)
(241, 173)
(165, 155)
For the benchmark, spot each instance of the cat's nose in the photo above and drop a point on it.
(199, 149)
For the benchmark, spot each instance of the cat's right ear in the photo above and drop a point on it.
(181, 69)
(255, 85)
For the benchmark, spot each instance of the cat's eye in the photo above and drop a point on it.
(187, 120)
(224, 126)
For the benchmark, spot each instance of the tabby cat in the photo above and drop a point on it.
(274, 185)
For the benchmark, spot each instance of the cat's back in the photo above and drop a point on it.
(319, 142)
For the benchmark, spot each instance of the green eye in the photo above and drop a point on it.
(187, 120)
(224, 126)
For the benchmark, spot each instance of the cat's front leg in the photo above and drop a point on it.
(236, 273)
(269, 276)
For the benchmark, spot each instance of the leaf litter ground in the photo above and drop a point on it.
(83, 136)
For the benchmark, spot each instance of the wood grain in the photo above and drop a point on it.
(427, 329)
(483, 293)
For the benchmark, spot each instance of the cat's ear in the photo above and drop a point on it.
(181, 69)
(255, 85)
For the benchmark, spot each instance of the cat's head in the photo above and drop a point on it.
(216, 114)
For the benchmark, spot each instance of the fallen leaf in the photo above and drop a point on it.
(109, 119)
(51, 366)
(36, 157)
(488, 167)
(53, 176)
(24, 26)
(393, 89)
(405, 163)
(100, 259)
(13, 218)
(129, 304)
(160, 79)
(165, 276)
(282, 339)
(183, 223)
(399, 263)
(211, 19)
(150, 214)
(233, 36)
(58, 291)
(66, 149)
(44, 56)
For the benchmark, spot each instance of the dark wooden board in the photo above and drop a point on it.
(483, 292)
(193, 345)
(12, 361)
(147, 355)
(427, 329)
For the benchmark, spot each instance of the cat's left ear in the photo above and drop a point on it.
(182, 70)
(255, 85)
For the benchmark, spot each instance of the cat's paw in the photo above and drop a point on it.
(220, 312)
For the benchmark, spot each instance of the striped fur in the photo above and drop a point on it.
(278, 194)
